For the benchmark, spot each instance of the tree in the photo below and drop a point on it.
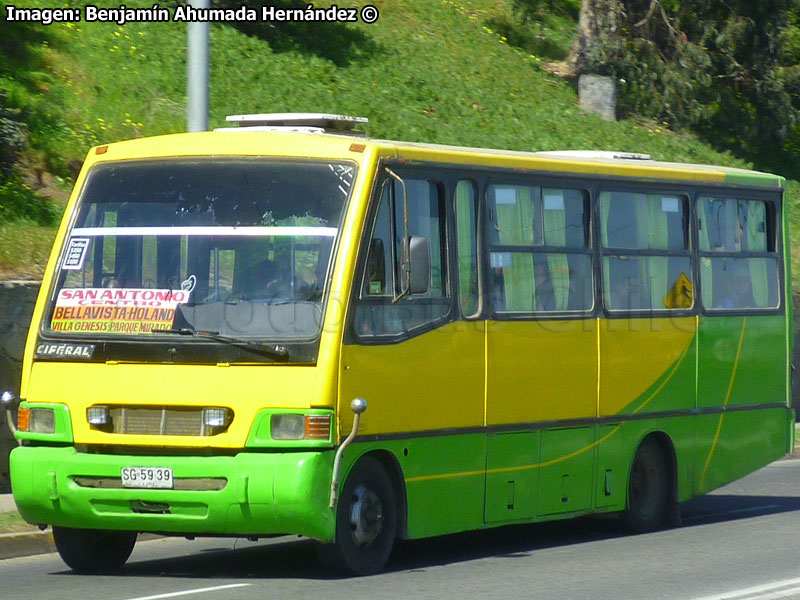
(598, 20)
(727, 68)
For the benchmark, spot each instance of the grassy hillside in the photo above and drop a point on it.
(428, 70)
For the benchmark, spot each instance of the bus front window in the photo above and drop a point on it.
(237, 247)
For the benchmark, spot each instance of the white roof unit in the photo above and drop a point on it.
(300, 122)
(589, 154)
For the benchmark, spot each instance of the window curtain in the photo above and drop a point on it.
(757, 242)
(706, 277)
(657, 267)
(605, 208)
(515, 221)
(555, 234)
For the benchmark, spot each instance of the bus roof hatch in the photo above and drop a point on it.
(306, 122)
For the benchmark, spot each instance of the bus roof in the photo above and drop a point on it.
(260, 141)
(622, 164)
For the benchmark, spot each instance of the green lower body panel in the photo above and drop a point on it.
(455, 482)
(246, 494)
(733, 444)
(445, 483)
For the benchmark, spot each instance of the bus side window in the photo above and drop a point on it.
(647, 261)
(540, 252)
(739, 262)
(377, 312)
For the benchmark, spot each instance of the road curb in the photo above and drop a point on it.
(26, 543)
(29, 543)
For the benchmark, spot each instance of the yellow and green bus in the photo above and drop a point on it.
(288, 328)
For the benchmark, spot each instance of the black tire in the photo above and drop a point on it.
(366, 522)
(94, 550)
(648, 489)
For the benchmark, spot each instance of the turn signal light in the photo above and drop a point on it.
(23, 418)
(318, 427)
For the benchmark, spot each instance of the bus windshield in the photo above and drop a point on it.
(229, 247)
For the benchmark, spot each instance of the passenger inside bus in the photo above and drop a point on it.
(738, 289)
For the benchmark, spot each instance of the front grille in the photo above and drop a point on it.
(159, 420)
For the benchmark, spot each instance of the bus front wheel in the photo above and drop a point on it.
(366, 521)
(648, 489)
(93, 550)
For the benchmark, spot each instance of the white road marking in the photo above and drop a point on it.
(195, 591)
(729, 513)
(769, 591)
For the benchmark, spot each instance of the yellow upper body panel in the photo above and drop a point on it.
(242, 388)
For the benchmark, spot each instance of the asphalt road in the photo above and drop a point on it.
(740, 543)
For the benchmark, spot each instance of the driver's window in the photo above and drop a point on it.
(378, 313)
(378, 280)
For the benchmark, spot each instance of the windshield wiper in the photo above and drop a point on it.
(276, 351)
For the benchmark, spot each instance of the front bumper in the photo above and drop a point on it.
(264, 493)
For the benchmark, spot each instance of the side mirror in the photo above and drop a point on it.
(420, 264)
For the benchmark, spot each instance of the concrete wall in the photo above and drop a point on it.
(17, 300)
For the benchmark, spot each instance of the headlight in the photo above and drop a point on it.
(300, 427)
(288, 427)
(97, 415)
(215, 417)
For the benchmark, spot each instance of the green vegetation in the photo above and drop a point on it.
(24, 249)
(727, 68)
(465, 72)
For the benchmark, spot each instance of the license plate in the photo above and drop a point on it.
(147, 477)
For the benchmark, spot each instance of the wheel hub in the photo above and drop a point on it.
(366, 516)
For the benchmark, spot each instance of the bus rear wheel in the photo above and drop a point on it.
(93, 550)
(648, 489)
(366, 522)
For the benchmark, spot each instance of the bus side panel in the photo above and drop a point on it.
(432, 381)
(647, 365)
(740, 367)
(741, 361)
(445, 484)
(540, 371)
(443, 477)
(511, 476)
(612, 467)
(733, 444)
(420, 390)
(566, 468)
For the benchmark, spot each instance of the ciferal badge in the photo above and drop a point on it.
(64, 351)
